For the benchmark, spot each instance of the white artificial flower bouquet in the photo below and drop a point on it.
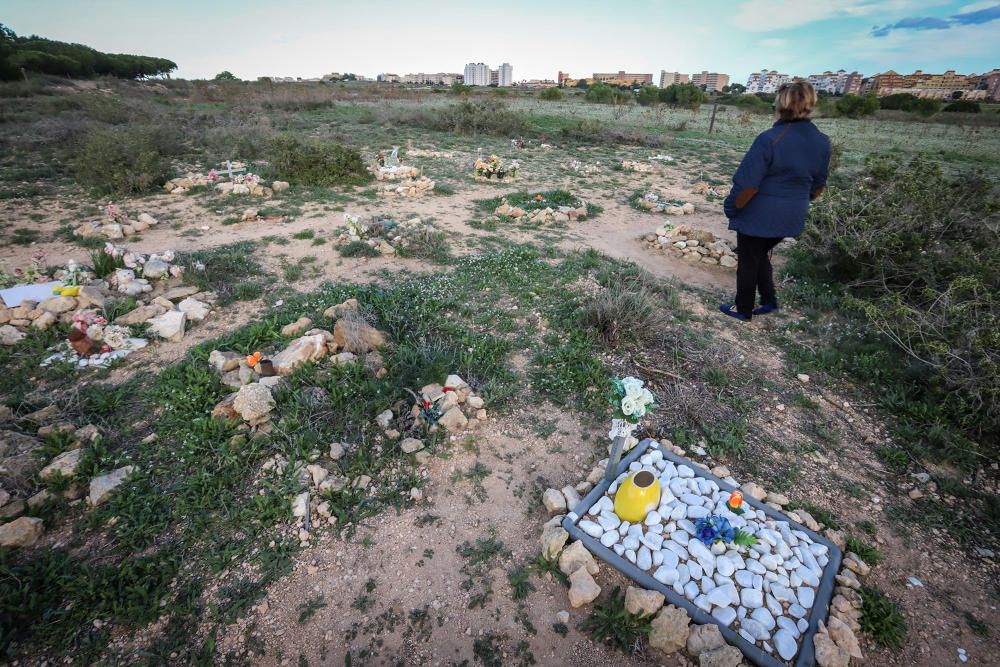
(631, 399)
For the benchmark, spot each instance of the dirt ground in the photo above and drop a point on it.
(412, 559)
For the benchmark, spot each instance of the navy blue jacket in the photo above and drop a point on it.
(784, 169)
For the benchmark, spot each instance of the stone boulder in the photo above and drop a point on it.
(641, 601)
(64, 465)
(296, 327)
(155, 268)
(194, 309)
(582, 588)
(17, 457)
(59, 304)
(10, 336)
(553, 538)
(724, 656)
(454, 420)
(704, 638)
(670, 629)
(224, 409)
(342, 309)
(21, 532)
(169, 326)
(554, 502)
(298, 352)
(253, 402)
(102, 487)
(576, 556)
(140, 314)
(224, 362)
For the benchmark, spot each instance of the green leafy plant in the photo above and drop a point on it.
(865, 551)
(316, 163)
(357, 249)
(610, 623)
(881, 618)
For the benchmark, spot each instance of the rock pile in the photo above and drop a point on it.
(638, 167)
(693, 245)
(703, 188)
(411, 187)
(241, 184)
(395, 173)
(384, 234)
(543, 215)
(18, 460)
(116, 228)
(352, 340)
(654, 204)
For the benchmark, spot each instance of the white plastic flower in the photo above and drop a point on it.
(647, 397)
(628, 406)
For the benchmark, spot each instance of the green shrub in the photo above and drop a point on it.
(124, 160)
(358, 249)
(589, 131)
(856, 106)
(685, 95)
(881, 619)
(602, 93)
(916, 252)
(623, 312)
(610, 623)
(963, 106)
(551, 94)
(480, 118)
(316, 163)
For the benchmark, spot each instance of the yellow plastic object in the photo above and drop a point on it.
(69, 290)
(637, 496)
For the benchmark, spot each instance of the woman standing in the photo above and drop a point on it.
(785, 168)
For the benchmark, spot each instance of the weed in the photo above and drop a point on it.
(865, 551)
(560, 629)
(610, 623)
(308, 608)
(543, 565)
(357, 249)
(316, 163)
(520, 584)
(231, 271)
(894, 458)
(881, 618)
(716, 376)
(622, 312)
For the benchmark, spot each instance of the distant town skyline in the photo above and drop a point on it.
(308, 38)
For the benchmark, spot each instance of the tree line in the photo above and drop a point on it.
(39, 55)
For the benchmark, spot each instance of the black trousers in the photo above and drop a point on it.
(753, 272)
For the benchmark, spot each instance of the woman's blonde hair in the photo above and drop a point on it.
(795, 100)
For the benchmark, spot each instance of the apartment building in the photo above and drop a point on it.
(477, 74)
(934, 86)
(710, 81)
(506, 76)
(624, 78)
(388, 78)
(840, 82)
(670, 78)
(990, 83)
(766, 81)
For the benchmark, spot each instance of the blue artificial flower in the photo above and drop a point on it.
(714, 528)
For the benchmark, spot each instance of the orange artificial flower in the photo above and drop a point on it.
(736, 500)
(253, 359)
(538, 197)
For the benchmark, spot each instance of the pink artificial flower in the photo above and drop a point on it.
(212, 175)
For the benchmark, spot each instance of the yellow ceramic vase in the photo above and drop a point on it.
(637, 496)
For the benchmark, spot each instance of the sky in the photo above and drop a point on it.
(308, 38)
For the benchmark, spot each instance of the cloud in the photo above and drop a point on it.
(912, 23)
(768, 15)
(978, 16)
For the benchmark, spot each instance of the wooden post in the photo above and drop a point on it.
(712, 123)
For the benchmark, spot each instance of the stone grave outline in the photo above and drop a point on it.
(824, 593)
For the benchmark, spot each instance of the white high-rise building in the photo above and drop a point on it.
(506, 78)
(766, 82)
(477, 74)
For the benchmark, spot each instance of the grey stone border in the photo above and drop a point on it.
(806, 655)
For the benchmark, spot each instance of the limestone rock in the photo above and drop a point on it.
(554, 501)
(342, 309)
(828, 654)
(298, 352)
(553, 538)
(44, 321)
(844, 637)
(194, 309)
(576, 556)
(101, 487)
(641, 601)
(253, 402)
(65, 465)
(169, 326)
(357, 336)
(21, 532)
(754, 490)
(59, 304)
(17, 457)
(411, 445)
(279, 186)
(140, 314)
(704, 638)
(337, 451)
(670, 629)
(155, 268)
(9, 335)
(296, 327)
(724, 656)
(224, 362)
(454, 420)
(582, 588)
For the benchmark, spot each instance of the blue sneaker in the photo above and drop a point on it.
(732, 312)
(765, 309)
